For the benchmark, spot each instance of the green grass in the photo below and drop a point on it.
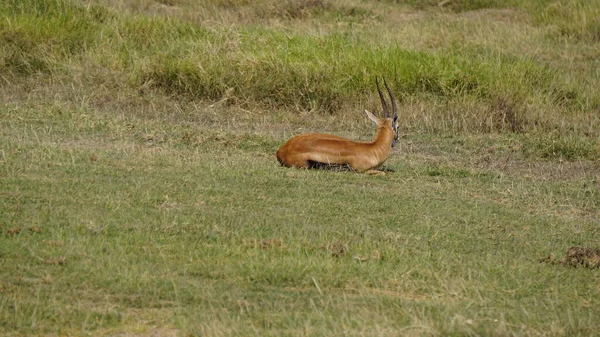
(214, 237)
(574, 19)
(38, 35)
(317, 69)
(278, 58)
(140, 194)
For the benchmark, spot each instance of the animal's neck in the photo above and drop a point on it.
(383, 137)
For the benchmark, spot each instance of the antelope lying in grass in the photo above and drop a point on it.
(323, 150)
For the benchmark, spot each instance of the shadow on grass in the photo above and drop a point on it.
(340, 168)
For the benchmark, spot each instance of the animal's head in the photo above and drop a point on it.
(388, 116)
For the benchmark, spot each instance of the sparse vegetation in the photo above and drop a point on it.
(140, 195)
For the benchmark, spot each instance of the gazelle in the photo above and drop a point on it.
(323, 150)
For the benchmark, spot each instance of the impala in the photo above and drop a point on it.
(323, 150)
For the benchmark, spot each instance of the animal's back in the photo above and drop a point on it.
(310, 149)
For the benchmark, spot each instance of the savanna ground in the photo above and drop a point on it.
(140, 195)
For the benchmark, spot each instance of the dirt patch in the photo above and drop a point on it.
(336, 249)
(577, 256)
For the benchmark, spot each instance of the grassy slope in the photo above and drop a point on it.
(142, 213)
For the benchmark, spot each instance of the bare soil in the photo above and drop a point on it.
(576, 257)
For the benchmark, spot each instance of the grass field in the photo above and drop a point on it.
(140, 194)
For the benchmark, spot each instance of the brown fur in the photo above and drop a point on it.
(305, 150)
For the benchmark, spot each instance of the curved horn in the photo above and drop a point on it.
(394, 106)
(383, 102)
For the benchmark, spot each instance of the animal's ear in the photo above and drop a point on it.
(371, 117)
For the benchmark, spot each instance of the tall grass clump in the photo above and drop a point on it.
(151, 35)
(37, 35)
(284, 70)
(578, 20)
(271, 67)
(260, 11)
